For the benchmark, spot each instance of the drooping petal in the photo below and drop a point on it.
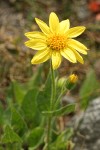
(75, 31)
(68, 54)
(41, 56)
(64, 26)
(56, 59)
(35, 35)
(43, 26)
(36, 44)
(78, 56)
(53, 22)
(78, 46)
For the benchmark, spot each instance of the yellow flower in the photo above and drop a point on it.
(73, 78)
(55, 41)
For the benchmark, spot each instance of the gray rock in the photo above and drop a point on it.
(87, 129)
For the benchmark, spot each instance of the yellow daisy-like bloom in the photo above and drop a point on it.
(55, 41)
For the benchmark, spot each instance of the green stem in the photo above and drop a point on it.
(53, 87)
(63, 90)
(49, 127)
(48, 133)
(59, 98)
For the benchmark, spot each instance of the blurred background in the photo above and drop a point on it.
(17, 17)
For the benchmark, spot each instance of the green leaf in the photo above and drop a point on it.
(18, 92)
(43, 98)
(36, 79)
(10, 136)
(62, 111)
(29, 106)
(7, 115)
(65, 135)
(36, 137)
(43, 101)
(61, 141)
(1, 114)
(88, 89)
(18, 122)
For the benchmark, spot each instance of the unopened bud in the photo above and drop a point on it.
(61, 82)
(72, 79)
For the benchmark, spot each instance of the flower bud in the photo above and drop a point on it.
(61, 82)
(72, 79)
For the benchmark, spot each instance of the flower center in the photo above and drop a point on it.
(57, 42)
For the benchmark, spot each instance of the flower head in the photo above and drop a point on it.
(55, 41)
(72, 80)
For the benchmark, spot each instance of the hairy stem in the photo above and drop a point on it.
(50, 118)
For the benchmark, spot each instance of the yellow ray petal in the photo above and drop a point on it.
(41, 56)
(36, 44)
(43, 26)
(56, 59)
(36, 35)
(78, 46)
(78, 56)
(82, 46)
(64, 26)
(53, 22)
(74, 32)
(68, 54)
